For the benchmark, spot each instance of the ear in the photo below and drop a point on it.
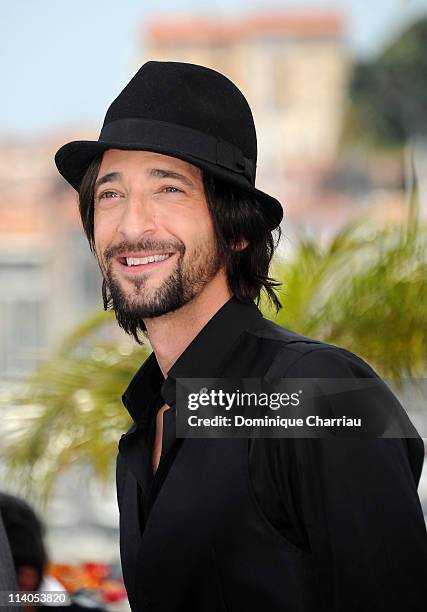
(239, 246)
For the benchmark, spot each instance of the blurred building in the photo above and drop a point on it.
(47, 277)
(293, 68)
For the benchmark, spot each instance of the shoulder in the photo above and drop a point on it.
(298, 355)
(332, 361)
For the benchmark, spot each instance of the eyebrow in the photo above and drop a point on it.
(161, 173)
(107, 178)
(154, 172)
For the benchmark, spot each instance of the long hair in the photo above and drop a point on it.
(237, 216)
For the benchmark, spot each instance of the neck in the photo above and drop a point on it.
(171, 333)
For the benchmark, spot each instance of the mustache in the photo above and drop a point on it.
(147, 244)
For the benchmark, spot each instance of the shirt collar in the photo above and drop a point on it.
(202, 358)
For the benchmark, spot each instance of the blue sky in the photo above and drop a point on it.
(64, 62)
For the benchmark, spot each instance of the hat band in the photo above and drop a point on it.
(182, 139)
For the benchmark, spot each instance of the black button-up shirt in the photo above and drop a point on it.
(351, 503)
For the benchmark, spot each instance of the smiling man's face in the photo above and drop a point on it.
(154, 236)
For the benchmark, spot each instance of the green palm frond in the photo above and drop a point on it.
(73, 411)
(366, 291)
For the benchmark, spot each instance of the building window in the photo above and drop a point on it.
(22, 316)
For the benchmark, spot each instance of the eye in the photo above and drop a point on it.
(105, 194)
(172, 189)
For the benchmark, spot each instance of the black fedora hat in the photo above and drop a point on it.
(183, 110)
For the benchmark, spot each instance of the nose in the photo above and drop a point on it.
(138, 217)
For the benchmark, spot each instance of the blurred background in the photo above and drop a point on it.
(339, 96)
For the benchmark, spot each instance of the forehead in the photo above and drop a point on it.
(120, 160)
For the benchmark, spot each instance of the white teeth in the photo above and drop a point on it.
(138, 261)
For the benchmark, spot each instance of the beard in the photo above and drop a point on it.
(183, 284)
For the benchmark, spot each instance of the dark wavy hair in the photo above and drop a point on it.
(236, 216)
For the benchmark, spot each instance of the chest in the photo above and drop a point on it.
(158, 436)
(206, 524)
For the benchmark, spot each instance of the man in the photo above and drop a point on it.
(184, 241)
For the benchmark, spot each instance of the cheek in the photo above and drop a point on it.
(97, 234)
(194, 231)
(207, 230)
(192, 225)
(103, 229)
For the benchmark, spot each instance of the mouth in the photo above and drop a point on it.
(133, 265)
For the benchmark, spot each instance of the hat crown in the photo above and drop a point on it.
(184, 110)
(191, 96)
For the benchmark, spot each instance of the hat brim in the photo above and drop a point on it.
(73, 159)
